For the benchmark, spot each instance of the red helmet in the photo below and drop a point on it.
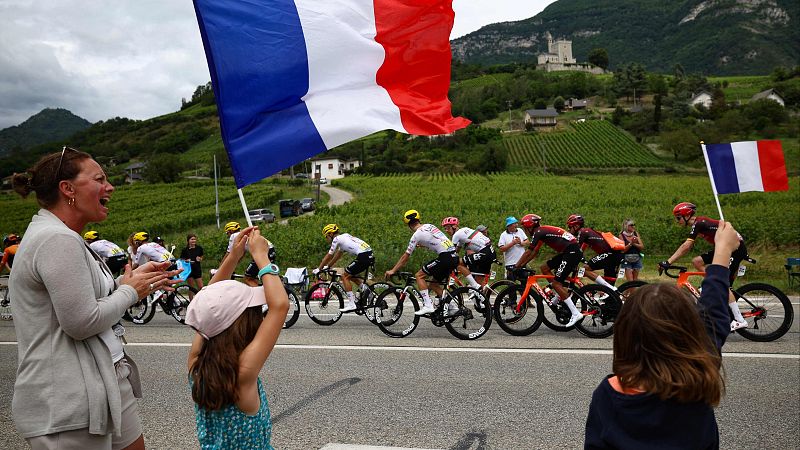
(575, 220)
(530, 220)
(450, 221)
(684, 209)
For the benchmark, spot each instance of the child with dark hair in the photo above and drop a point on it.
(667, 365)
(233, 340)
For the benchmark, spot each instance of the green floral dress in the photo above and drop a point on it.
(230, 428)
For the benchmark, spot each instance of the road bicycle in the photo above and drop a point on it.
(326, 297)
(520, 309)
(766, 308)
(464, 311)
(173, 303)
(489, 290)
(5, 302)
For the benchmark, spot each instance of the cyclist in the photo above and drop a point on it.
(233, 229)
(479, 251)
(605, 257)
(341, 243)
(568, 257)
(512, 243)
(114, 256)
(430, 237)
(148, 251)
(706, 228)
(10, 244)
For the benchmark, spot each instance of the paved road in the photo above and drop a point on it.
(350, 384)
(337, 196)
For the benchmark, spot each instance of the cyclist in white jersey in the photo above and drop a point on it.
(479, 253)
(251, 271)
(341, 244)
(430, 237)
(148, 251)
(114, 257)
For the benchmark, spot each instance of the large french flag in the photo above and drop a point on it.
(747, 166)
(293, 78)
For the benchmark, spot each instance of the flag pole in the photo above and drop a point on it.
(711, 177)
(244, 207)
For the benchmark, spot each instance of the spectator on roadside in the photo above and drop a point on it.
(75, 387)
(233, 341)
(512, 243)
(667, 364)
(632, 255)
(193, 253)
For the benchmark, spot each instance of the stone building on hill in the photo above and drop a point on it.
(559, 58)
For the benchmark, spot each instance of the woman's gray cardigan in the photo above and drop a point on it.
(65, 378)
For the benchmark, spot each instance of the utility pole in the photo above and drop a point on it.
(509, 114)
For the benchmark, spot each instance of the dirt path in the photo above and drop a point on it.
(337, 196)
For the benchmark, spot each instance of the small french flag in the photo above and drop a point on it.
(746, 166)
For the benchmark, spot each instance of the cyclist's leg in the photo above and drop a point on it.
(465, 268)
(607, 261)
(561, 266)
(358, 265)
(736, 259)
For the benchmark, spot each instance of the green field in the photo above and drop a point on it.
(769, 221)
(741, 88)
(595, 143)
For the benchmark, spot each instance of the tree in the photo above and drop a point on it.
(558, 103)
(599, 57)
(163, 168)
(682, 143)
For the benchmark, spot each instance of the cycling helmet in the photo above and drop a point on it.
(330, 229)
(530, 220)
(141, 236)
(11, 239)
(232, 227)
(91, 235)
(450, 221)
(684, 209)
(575, 220)
(411, 214)
(511, 220)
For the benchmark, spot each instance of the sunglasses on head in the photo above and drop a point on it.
(61, 160)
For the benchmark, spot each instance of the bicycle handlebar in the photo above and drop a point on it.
(402, 277)
(665, 270)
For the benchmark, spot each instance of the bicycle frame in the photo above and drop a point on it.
(684, 283)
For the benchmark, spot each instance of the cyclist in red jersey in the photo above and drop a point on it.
(562, 265)
(605, 257)
(706, 228)
(11, 244)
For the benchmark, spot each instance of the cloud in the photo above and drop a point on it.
(98, 59)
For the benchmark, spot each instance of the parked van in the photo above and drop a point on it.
(289, 207)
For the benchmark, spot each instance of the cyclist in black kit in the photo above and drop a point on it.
(605, 257)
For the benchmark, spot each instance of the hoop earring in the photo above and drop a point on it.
(71, 201)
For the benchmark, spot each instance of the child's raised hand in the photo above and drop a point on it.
(726, 237)
(257, 243)
(240, 243)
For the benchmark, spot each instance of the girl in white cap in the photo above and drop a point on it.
(233, 340)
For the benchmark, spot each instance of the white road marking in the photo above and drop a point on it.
(550, 351)
(335, 446)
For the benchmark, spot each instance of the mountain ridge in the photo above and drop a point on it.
(48, 125)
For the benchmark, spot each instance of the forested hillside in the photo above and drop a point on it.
(50, 124)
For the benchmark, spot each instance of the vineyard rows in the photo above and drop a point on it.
(596, 143)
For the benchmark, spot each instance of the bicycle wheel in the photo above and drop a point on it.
(491, 291)
(5, 304)
(556, 316)
(629, 287)
(178, 301)
(294, 307)
(599, 306)
(368, 297)
(767, 310)
(323, 302)
(145, 310)
(394, 312)
(517, 316)
(474, 315)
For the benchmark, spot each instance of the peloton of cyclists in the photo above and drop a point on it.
(342, 243)
(430, 237)
(114, 256)
(479, 253)
(706, 228)
(605, 257)
(561, 265)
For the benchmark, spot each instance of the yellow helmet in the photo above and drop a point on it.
(232, 227)
(330, 229)
(91, 235)
(141, 236)
(411, 214)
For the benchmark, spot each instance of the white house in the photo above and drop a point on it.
(701, 98)
(332, 168)
(770, 94)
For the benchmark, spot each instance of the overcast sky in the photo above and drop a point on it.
(132, 58)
